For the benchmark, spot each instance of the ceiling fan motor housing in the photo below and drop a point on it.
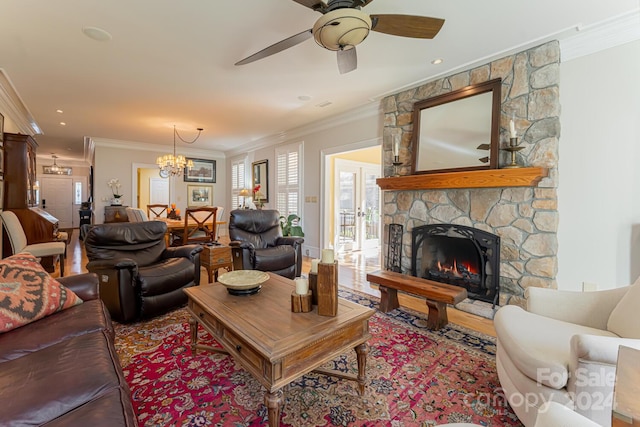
(341, 28)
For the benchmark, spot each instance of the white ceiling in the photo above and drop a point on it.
(171, 62)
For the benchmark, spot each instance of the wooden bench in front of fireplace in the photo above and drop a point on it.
(438, 295)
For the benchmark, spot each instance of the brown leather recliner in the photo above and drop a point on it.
(139, 276)
(257, 243)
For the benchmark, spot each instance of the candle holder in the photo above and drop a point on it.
(313, 287)
(301, 303)
(327, 289)
(513, 148)
(396, 163)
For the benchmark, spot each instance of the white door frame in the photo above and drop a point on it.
(325, 239)
(360, 171)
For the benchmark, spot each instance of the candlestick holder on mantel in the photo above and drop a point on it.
(396, 163)
(513, 148)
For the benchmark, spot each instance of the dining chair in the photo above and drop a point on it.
(18, 240)
(199, 225)
(157, 211)
(219, 220)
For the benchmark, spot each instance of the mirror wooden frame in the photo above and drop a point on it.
(421, 107)
(260, 176)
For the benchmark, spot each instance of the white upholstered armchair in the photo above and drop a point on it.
(564, 348)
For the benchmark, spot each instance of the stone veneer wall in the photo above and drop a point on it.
(525, 218)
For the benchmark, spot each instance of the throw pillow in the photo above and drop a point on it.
(624, 320)
(29, 293)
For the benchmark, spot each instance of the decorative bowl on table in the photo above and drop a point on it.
(243, 282)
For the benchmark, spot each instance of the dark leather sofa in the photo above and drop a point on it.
(63, 370)
(257, 243)
(139, 276)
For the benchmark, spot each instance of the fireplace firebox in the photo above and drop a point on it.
(458, 255)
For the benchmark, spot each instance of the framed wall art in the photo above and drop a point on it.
(200, 195)
(260, 177)
(202, 171)
(1, 146)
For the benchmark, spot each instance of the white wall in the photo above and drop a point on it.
(114, 162)
(599, 189)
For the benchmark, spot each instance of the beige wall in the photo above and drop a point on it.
(115, 162)
(144, 175)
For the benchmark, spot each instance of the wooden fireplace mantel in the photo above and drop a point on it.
(486, 178)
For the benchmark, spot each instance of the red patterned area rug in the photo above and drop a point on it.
(416, 377)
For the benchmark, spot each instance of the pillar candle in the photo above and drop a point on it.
(327, 256)
(314, 265)
(302, 285)
(512, 129)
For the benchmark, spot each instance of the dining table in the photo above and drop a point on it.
(178, 225)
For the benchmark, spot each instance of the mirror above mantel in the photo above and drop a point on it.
(458, 131)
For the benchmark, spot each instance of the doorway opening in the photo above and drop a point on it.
(352, 220)
(149, 187)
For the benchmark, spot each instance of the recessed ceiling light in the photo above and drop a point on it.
(324, 104)
(96, 33)
(437, 61)
(304, 98)
(63, 124)
(59, 111)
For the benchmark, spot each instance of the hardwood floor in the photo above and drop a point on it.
(352, 274)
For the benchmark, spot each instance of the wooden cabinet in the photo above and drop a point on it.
(19, 171)
(115, 214)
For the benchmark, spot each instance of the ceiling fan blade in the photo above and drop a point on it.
(318, 5)
(421, 27)
(347, 60)
(277, 47)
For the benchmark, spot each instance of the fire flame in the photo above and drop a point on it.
(453, 269)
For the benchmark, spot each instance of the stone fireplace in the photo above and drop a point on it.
(460, 256)
(523, 216)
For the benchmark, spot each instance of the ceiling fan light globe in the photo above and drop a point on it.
(340, 28)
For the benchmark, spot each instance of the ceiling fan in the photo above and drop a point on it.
(343, 25)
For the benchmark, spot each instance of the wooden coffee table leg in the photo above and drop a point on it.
(193, 330)
(273, 401)
(362, 350)
(437, 315)
(388, 299)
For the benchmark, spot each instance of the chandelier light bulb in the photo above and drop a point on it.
(172, 164)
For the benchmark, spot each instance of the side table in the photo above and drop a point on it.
(215, 257)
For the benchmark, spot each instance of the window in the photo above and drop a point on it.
(238, 171)
(288, 179)
(77, 193)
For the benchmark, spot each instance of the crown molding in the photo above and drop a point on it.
(603, 35)
(14, 108)
(142, 146)
(368, 110)
(46, 160)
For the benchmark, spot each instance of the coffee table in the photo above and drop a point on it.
(271, 342)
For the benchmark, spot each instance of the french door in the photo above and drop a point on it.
(357, 203)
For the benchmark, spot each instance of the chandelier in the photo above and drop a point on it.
(54, 167)
(172, 164)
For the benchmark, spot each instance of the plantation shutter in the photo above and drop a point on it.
(288, 182)
(238, 169)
